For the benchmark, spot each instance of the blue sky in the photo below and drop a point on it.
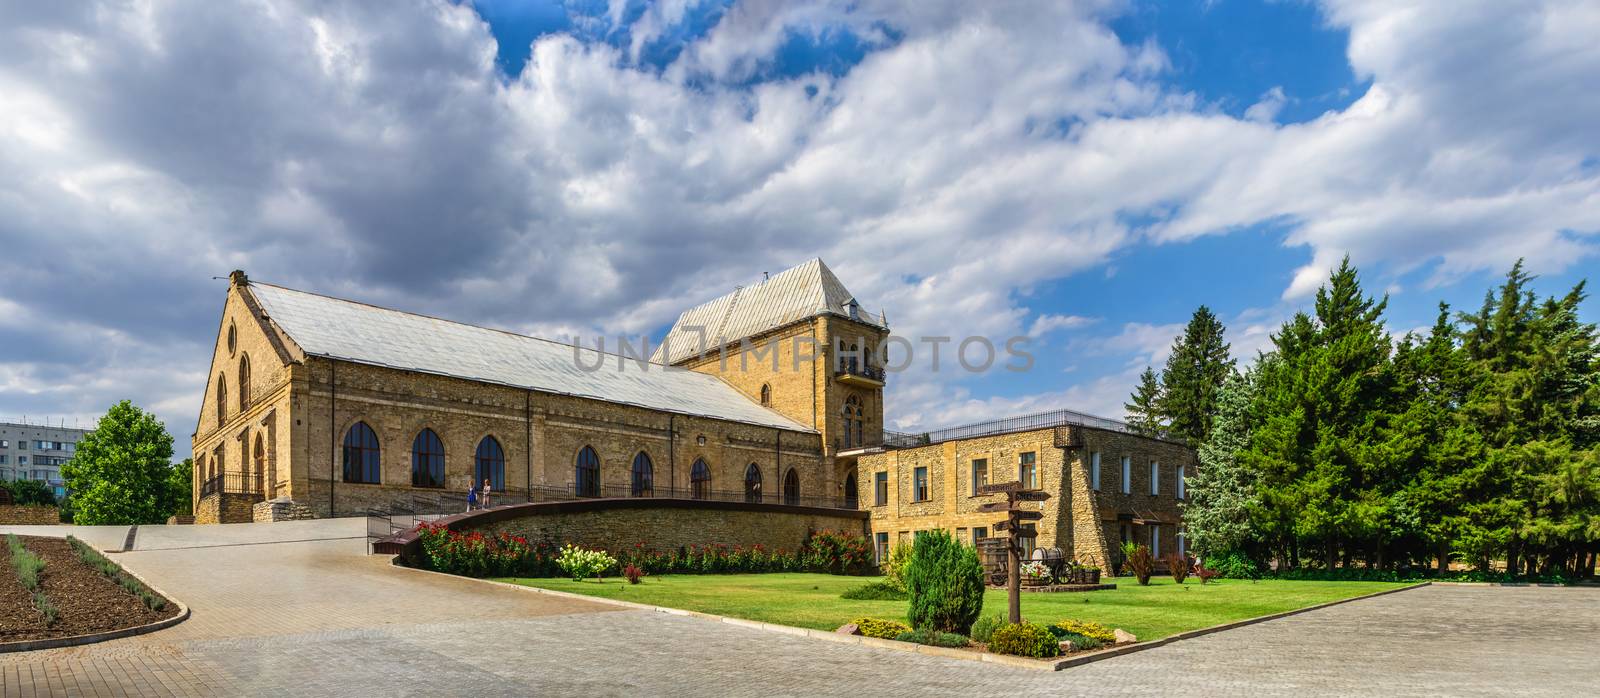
(1087, 171)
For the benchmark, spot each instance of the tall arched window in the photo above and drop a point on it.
(700, 480)
(854, 423)
(643, 476)
(361, 462)
(244, 382)
(752, 483)
(427, 460)
(491, 465)
(791, 488)
(851, 498)
(588, 475)
(222, 399)
(766, 394)
(260, 461)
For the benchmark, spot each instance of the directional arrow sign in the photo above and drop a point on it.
(995, 507)
(1026, 531)
(1001, 488)
(1031, 495)
(1024, 515)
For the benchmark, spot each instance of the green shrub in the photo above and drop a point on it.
(932, 637)
(1024, 640)
(880, 627)
(1138, 560)
(836, 552)
(875, 591)
(1234, 564)
(1088, 629)
(983, 629)
(1082, 642)
(894, 568)
(581, 564)
(27, 565)
(45, 607)
(945, 580)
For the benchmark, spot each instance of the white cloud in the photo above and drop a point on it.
(1050, 322)
(984, 149)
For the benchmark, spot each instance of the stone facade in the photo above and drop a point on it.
(667, 525)
(29, 515)
(1085, 522)
(286, 439)
(226, 507)
(280, 509)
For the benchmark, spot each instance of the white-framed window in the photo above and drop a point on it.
(881, 545)
(1155, 540)
(1094, 470)
(1155, 478)
(1028, 470)
(1127, 474)
(1182, 491)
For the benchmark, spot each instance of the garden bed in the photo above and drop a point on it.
(86, 601)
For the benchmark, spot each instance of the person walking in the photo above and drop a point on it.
(484, 499)
(472, 498)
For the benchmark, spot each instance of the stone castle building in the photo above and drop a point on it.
(770, 394)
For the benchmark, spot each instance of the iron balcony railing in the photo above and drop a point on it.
(232, 483)
(423, 502)
(855, 367)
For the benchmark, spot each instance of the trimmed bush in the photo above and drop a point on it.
(945, 580)
(1234, 564)
(580, 564)
(933, 637)
(1139, 561)
(894, 568)
(1024, 640)
(882, 628)
(875, 591)
(1088, 629)
(983, 629)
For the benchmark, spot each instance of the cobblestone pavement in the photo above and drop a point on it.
(321, 619)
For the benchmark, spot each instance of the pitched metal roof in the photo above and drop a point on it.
(795, 294)
(361, 333)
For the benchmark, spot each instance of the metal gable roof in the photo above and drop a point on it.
(351, 331)
(795, 294)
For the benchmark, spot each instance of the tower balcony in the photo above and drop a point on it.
(860, 374)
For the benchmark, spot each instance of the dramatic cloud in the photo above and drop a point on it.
(975, 151)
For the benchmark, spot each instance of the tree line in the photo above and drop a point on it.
(1340, 446)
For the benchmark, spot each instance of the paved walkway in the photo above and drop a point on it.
(319, 618)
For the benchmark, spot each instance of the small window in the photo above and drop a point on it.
(881, 546)
(919, 484)
(1155, 478)
(1094, 470)
(587, 480)
(1182, 486)
(233, 338)
(980, 474)
(700, 480)
(1127, 475)
(752, 483)
(979, 533)
(1028, 471)
(766, 394)
(880, 488)
(852, 498)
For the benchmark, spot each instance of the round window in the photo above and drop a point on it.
(232, 339)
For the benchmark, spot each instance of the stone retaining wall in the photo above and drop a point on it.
(29, 515)
(227, 507)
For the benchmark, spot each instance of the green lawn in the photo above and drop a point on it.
(812, 600)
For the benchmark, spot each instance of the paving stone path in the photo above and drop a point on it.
(319, 618)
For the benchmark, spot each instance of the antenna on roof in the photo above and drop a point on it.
(765, 276)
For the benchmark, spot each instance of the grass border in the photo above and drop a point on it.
(1053, 664)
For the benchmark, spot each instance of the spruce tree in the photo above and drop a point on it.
(1195, 370)
(1218, 517)
(1144, 408)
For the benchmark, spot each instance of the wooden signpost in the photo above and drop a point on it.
(1016, 528)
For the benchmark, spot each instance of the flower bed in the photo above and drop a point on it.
(80, 597)
(476, 554)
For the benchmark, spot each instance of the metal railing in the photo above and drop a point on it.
(860, 368)
(1010, 425)
(232, 483)
(428, 504)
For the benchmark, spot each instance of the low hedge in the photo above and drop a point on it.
(933, 637)
(875, 591)
(1025, 640)
(881, 627)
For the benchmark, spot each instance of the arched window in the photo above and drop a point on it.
(491, 465)
(643, 476)
(791, 488)
(752, 483)
(427, 460)
(766, 394)
(244, 382)
(700, 480)
(851, 499)
(222, 399)
(361, 462)
(260, 461)
(854, 424)
(588, 479)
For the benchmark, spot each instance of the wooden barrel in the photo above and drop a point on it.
(992, 551)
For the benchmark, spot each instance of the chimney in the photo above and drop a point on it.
(238, 278)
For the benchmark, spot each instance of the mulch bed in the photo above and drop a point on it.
(87, 601)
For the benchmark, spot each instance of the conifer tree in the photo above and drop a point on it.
(1195, 370)
(1144, 408)
(1218, 517)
